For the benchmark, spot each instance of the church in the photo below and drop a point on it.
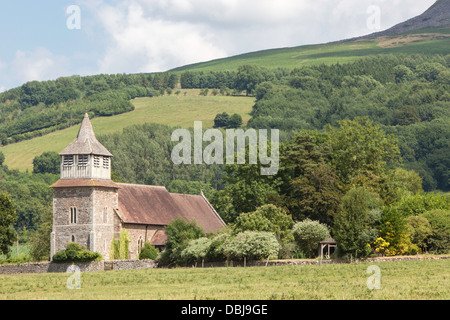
(90, 209)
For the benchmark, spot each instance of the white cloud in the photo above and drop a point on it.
(143, 43)
(148, 36)
(39, 64)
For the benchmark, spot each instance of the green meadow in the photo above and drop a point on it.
(179, 110)
(400, 280)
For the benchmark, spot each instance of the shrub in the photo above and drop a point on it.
(395, 231)
(419, 230)
(120, 249)
(439, 240)
(216, 247)
(179, 232)
(148, 252)
(60, 256)
(353, 218)
(308, 234)
(252, 245)
(266, 218)
(76, 253)
(196, 250)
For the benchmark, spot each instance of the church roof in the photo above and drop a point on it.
(159, 238)
(64, 183)
(86, 143)
(154, 205)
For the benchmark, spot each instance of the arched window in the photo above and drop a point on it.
(73, 238)
(140, 244)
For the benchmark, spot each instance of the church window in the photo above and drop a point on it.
(73, 238)
(73, 215)
(140, 244)
(68, 161)
(105, 214)
(105, 162)
(97, 161)
(83, 160)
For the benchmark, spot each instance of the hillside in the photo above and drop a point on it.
(428, 33)
(437, 17)
(174, 110)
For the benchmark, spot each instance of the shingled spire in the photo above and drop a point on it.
(85, 157)
(86, 142)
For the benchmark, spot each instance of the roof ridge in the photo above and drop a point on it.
(140, 185)
(186, 194)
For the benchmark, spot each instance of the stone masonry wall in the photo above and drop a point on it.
(104, 202)
(53, 267)
(64, 230)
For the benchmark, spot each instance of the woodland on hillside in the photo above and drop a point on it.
(365, 152)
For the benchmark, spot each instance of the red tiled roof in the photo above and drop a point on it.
(198, 209)
(154, 205)
(64, 183)
(159, 238)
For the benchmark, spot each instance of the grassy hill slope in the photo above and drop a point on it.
(430, 30)
(426, 41)
(174, 110)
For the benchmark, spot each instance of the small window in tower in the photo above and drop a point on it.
(105, 163)
(83, 160)
(73, 215)
(68, 161)
(97, 161)
(105, 215)
(73, 238)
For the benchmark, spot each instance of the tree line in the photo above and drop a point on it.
(362, 144)
(407, 95)
(40, 107)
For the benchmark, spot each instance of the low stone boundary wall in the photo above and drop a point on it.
(130, 264)
(298, 262)
(53, 267)
(49, 267)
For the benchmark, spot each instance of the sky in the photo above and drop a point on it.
(48, 39)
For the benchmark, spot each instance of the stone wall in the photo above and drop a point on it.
(64, 230)
(130, 264)
(139, 234)
(49, 267)
(298, 262)
(53, 267)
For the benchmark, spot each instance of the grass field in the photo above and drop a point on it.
(413, 279)
(174, 110)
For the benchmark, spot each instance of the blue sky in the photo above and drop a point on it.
(129, 36)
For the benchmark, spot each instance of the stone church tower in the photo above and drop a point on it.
(84, 198)
(90, 209)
